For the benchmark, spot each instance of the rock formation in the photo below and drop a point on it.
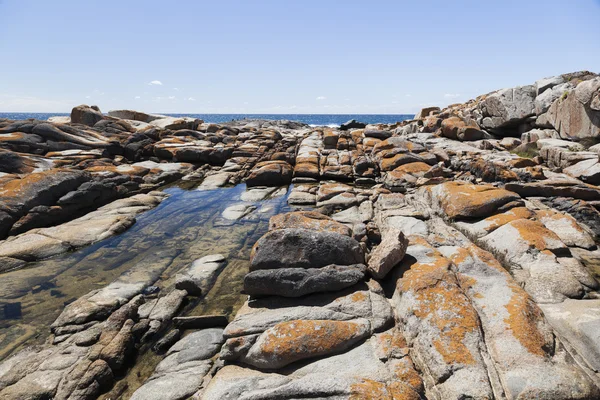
(450, 256)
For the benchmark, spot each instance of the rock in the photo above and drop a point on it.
(457, 200)
(544, 100)
(457, 129)
(587, 170)
(292, 341)
(377, 134)
(176, 123)
(304, 248)
(440, 324)
(578, 321)
(308, 220)
(352, 124)
(270, 173)
(528, 245)
(296, 282)
(86, 115)
(388, 253)
(237, 211)
(566, 228)
(576, 114)
(199, 278)
(427, 111)
(200, 321)
(550, 188)
(506, 108)
(166, 307)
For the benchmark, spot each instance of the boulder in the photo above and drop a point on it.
(388, 253)
(507, 108)
(270, 173)
(426, 112)
(456, 128)
(292, 341)
(86, 115)
(459, 200)
(304, 248)
(296, 282)
(576, 114)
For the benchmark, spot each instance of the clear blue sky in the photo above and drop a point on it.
(284, 56)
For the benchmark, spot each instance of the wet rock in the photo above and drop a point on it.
(237, 211)
(200, 321)
(296, 282)
(388, 253)
(304, 248)
(199, 278)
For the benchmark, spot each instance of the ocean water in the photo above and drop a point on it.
(311, 119)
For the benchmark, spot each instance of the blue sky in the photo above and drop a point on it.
(284, 56)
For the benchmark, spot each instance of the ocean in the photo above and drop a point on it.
(332, 120)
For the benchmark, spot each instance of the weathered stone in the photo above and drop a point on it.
(388, 253)
(458, 200)
(270, 173)
(308, 220)
(304, 248)
(296, 282)
(292, 341)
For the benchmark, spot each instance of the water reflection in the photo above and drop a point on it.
(186, 226)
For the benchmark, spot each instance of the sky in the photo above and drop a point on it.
(284, 56)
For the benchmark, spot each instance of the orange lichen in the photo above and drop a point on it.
(441, 302)
(499, 220)
(369, 389)
(308, 220)
(467, 200)
(413, 168)
(546, 215)
(524, 317)
(534, 233)
(302, 338)
(405, 372)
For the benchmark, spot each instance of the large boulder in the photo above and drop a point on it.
(304, 248)
(576, 114)
(457, 129)
(86, 115)
(458, 200)
(270, 173)
(507, 108)
(352, 124)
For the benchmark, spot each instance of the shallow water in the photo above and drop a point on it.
(186, 226)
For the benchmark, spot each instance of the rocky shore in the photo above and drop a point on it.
(451, 256)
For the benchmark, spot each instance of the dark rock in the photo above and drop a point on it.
(167, 341)
(201, 321)
(296, 282)
(352, 124)
(86, 115)
(304, 248)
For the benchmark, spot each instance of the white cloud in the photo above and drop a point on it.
(159, 83)
(451, 95)
(171, 97)
(137, 97)
(408, 95)
(321, 98)
(176, 88)
(191, 99)
(88, 97)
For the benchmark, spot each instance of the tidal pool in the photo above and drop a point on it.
(184, 227)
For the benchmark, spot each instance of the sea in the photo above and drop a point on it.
(332, 120)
